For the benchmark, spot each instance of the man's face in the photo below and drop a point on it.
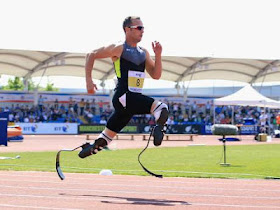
(136, 30)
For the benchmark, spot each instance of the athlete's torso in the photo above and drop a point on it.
(130, 69)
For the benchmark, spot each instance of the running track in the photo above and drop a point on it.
(44, 190)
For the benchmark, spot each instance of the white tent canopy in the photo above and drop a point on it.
(28, 64)
(247, 96)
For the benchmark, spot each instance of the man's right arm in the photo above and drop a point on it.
(112, 51)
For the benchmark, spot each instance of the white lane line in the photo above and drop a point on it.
(142, 186)
(34, 207)
(235, 205)
(143, 201)
(92, 170)
(143, 192)
(217, 181)
(104, 198)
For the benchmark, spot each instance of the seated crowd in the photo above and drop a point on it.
(98, 112)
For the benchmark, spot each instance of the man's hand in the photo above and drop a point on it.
(157, 48)
(91, 87)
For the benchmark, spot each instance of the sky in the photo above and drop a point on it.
(197, 28)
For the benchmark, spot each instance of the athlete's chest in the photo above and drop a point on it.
(134, 54)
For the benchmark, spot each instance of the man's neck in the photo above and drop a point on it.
(131, 43)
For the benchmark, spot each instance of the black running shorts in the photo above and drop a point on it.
(136, 103)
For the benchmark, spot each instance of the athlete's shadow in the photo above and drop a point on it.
(134, 201)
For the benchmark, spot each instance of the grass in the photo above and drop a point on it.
(250, 161)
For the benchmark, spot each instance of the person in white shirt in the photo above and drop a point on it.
(263, 122)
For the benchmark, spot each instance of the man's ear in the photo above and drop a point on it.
(126, 29)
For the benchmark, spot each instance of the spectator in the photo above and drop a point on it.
(151, 121)
(75, 108)
(263, 122)
(11, 117)
(108, 111)
(26, 119)
(103, 121)
(56, 103)
(170, 120)
(194, 107)
(50, 112)
(41, 103)
(71, 104)
(278, 120)
(6, 109)
(82, 105)
(187, 107)
(208, 107)
(88, 115)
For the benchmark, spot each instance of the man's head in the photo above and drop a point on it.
(133, 28)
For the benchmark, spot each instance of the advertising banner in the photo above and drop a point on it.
(49, 128)
(51, 97)
(142, 128)
(184, 129)
(249, 129)
(99, 128)
(207, 129)
(175, 129)
(64, 98)
(17, 97)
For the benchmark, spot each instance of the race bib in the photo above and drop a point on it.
(135, 81)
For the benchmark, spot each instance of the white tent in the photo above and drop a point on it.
(28, 64)
(247, 96)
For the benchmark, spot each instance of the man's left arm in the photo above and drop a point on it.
(154, 67)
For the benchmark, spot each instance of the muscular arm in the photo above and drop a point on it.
(112, 51)
(154, 68)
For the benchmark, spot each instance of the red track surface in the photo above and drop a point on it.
(44, 190)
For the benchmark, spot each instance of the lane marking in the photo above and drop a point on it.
(235, 205)
(143, 192)
(143, 186)
(34, 207)
(164, 171)
(96, 176)
(104, 198)
(142, 201)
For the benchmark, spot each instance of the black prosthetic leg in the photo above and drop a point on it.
(89, 149)
(160, 128)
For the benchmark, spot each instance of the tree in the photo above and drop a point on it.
(31, 85)
(50, 87)
(14, 84)
(17, 84)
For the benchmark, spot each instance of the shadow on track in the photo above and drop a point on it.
(134, 201)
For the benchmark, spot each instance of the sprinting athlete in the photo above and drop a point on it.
(130, 62)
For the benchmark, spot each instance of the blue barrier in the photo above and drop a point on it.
(3, 128)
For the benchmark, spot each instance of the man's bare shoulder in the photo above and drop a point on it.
(115, 45)
(112, 50)
(117, 49)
